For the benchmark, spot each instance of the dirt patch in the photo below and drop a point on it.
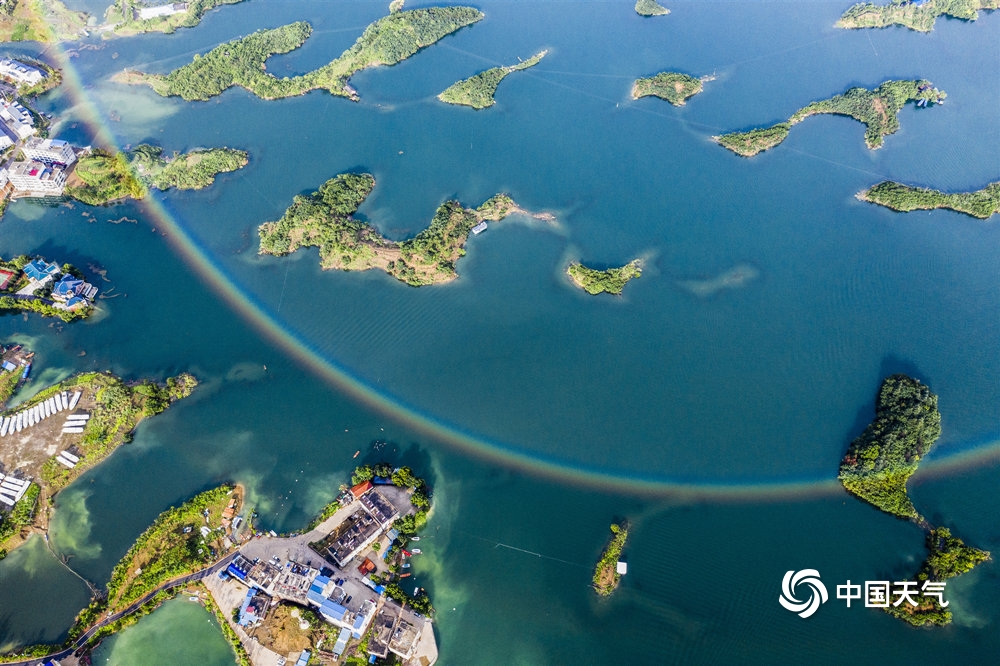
(879, 107)
(25, 452)
(282, 630)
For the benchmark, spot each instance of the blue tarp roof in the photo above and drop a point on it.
(333, 610)
(236, 571)
(316, 597)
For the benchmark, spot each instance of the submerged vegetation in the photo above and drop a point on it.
(477, 91)
(323, 219)
(880, 461)
(123, 17)
(982, 203)
(610, 280)
(606, 576)
(878, 109)
(107, 178)
(920, 16)
(876, 468)
(242, 62)
(674, 87)
(650, 8)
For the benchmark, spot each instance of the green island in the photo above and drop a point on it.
(40, 21)
(103, 177)
(115, 407)
(25, 289)
(606, 576)
(477, 91)
(323, 219)
(878, 109)
(876, 468)
(650, 8)
(674, 87)
(242, 62)
(904, 198)
(131, 17)
(610, 280)
(920, 16)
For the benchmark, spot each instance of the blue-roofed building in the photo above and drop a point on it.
(253, 608)
(303, 658)
(69, 287)
(342, 639)
(358, 629)
(333, 612)
(38, 270)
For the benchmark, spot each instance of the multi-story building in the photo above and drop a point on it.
(49, 151)
(37, 179)
(17, 119)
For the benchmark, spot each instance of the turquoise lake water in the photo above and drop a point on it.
(488, 383)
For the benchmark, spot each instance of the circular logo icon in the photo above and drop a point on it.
(807, 578)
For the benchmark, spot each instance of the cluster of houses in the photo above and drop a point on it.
(47, 162)
(146, 13)
(68, 291)
(345, 598)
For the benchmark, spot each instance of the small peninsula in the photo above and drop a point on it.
(83, 419)
(650, 8)
(323, 219)
(674, 87)
(477, 91)
(242, 62)
(334, 589)
(610, 280)
(876, 468)
(904, 198)
(913, 14)
(878, 109)
(103, 177)
(133, 17)
(606, 573)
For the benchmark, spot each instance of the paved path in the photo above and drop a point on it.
(211, 570)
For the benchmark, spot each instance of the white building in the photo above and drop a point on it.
(49, 151)
(161, 10)
(17, 119)
(20, 73)
(37, 179)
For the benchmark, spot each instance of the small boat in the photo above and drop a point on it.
(406, 575)
(406, 566)
(27, 371)
(357, 453)
(414, 538)
(416, 551)
(406, 553)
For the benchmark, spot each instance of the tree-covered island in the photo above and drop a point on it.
(103, 177)
(913, 14)
(650, 8)
(243, 62)
(610, 280)
(876, 468)
(323, 219)
(477, 91)
(904, 198)
(674, 87)
(134, 17)
(606, 576)
(878, 109)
